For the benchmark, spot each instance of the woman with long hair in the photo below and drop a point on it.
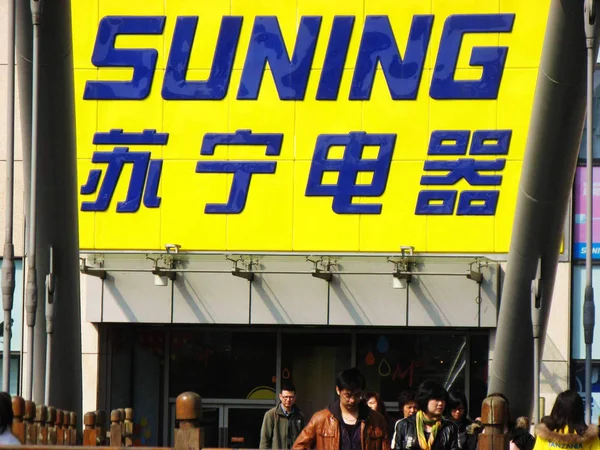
(375, 402)
(565, 427)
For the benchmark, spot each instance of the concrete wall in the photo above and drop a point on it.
(555, 368)
(285, 293)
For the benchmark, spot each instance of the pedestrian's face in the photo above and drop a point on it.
(435, 407)
(372, 402)
(350, 399)
(287, 399)
(458, 413)
(409, 409)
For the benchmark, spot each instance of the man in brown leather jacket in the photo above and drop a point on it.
(348, 424)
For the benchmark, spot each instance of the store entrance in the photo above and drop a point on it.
(232, 425)
(238, 372)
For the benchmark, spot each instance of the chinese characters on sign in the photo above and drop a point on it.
(471, 202)
(145, 174)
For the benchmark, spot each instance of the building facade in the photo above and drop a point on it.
(271, 193)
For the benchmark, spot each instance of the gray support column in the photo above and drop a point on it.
(57, 195)
(544, 191)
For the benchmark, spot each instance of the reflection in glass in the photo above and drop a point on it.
(596, 123)
(311, 362)
(223, 364)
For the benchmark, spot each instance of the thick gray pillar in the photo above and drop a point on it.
(544, 191)
(56, 195)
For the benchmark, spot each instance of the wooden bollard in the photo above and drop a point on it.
(66, 423)
(18, 426)
(101, 428)
(41, 414)
(122, 423)
(115, 429)
(51, 424)
(188, 412)
(128, 428)
(89, 429)
(30, 428)
(60, 435)
(494, 416)
(73, 429)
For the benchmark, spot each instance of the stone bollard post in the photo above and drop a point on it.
(41, 413)
(51, 424)
(115, 429)
(494, 416)
(89, 430)
(18, 426)
(188, 412)
(30, 428)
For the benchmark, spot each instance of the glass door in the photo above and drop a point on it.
(243, 423)
(212, 426)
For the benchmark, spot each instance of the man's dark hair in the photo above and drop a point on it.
(430, 390)
(6, 412)
(351, 379)
(408, 395)
(288, 387)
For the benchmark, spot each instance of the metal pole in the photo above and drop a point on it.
(536, 316)
(31, 286)
(50, 288)
(536, 379)
(8, 263)
(588, 304)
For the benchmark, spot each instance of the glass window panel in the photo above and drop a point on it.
(223, 364)
(479, 372)
(393, 362)
(136, 379)
(14, 374)
(578, 383)
(311, 361)
(579, 214)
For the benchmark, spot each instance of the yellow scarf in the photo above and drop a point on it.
(426, 444)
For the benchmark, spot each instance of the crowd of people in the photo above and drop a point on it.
(430, 418)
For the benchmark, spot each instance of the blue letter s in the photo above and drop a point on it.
(143, 61)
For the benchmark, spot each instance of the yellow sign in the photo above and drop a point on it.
(303, 125)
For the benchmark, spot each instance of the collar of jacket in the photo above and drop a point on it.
(280, 412)
(336, 410)
(543, 432)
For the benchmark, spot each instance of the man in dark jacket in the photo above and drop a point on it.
(427, 430)
(348, 424)
(282, 424)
